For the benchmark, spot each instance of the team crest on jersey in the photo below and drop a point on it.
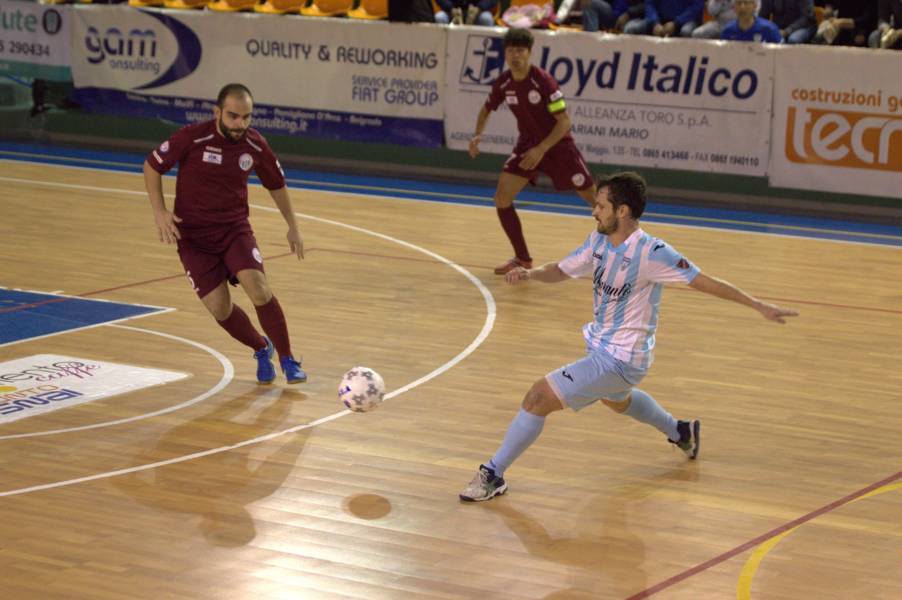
(534, 97)
(164, 147)
(625, 263)
(578, 179)
(245, 161)
(257, 256)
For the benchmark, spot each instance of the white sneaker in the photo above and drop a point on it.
(484, 486)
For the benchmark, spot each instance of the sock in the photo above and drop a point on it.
(523, 431)
(240, 327)
(510, 222)
(272, 319)
(645, 409)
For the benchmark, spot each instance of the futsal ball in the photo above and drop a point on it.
(361, 389)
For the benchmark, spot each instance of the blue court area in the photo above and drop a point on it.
(529, 199)
(28, 315)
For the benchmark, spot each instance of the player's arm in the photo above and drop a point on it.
(481, 120)
(283, 202)
(728, 291)
(533, 156)
(547, 273)
(166, 221)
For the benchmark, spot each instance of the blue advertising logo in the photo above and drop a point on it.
(136, 50)
(483, 61)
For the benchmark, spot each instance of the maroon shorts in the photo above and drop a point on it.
(206, 269)
(564, 164)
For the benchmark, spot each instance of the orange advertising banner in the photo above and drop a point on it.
(837, 121)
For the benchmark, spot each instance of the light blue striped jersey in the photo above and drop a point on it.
(627, 281)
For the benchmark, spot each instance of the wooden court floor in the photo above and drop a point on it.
(266, 492)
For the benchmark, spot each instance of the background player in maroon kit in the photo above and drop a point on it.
(209, 222)
(545, 144)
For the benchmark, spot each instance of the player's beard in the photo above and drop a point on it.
(233, 134)
(610, 227)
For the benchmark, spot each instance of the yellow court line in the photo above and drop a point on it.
(487, 200)
(744, 585)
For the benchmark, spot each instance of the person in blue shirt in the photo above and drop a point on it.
(748, 27)
(667, 18)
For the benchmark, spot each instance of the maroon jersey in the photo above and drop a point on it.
(211, 187)
(534, 102)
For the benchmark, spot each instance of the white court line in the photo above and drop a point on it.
(487, 326)
(650, 220)
(228, 373)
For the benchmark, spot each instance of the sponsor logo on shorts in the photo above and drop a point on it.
(257, 256)
(191, 281)
(534, 97)
(567, 375)
(245, 161)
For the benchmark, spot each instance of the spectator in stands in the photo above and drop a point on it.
(748, 27)
(602, 14)
(721, 12)
(631, 18)
(795, 18)
(411, 11)
(889, 26)
(595, 14)
(666, 18)
(846, 23)
(469, 12)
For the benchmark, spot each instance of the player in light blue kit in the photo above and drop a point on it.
(628, 267)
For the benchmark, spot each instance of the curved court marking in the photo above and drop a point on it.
(487, 326)
(744, 587)
(228, 373)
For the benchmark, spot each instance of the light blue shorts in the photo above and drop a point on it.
(588, 380)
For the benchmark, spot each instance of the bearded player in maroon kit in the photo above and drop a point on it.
(209, 222)
(545, 144)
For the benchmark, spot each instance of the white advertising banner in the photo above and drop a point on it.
(34, 40)
(679, 104)
(330, 78)
(838, 121)
(46, 382)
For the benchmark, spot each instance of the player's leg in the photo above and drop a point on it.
(539, 402)
(207, 275)
(509, 185)
(235, 321)
(575, 385)
(588, 195)
(244, 259)
(568, 170)
(642, 407)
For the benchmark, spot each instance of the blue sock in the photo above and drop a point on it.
(645, 409)
(523, 431)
